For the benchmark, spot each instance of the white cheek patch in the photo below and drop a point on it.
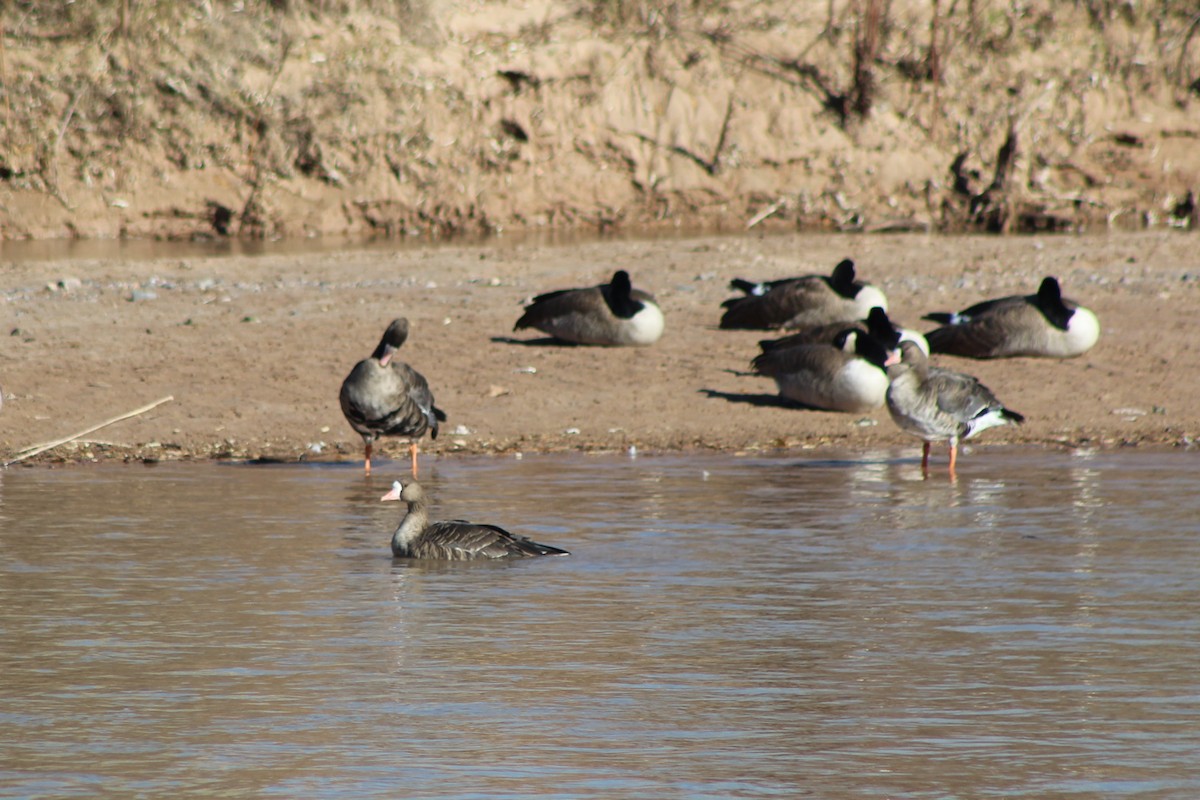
(397, 487)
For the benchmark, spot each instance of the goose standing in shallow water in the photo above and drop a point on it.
(847, 375)
(940, 405)
(803, 302)
(383, 396)
(456, 540)
(1045, 324)
(613, 314)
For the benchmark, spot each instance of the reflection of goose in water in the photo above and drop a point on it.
(613, 314)
(456, 540)
(939, 405)
(383, 396)
(802, 302)
(1044, 324)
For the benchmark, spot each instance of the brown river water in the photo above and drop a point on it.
(725, 627)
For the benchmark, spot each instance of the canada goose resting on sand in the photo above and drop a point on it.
(456, 540)
(847, 375)
(803, 302)
(613, 314)
(877, 324)
(1044, 324)
(940, 405)
(383, 396)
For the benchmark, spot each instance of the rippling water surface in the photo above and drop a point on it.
(725, 627)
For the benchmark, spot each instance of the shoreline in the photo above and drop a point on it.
(253, 349)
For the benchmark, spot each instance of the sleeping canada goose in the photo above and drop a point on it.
(847, 375)
(1044, 324)
(877, 324)
(802, 302)
(611, 314)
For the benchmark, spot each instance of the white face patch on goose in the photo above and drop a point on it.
(397, 487)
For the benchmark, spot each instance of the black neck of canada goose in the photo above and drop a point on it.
(869, 349)
(393, 338)
(619, 296)
(864, 345)
(841, 280)
(879, 326)
(1049, 300)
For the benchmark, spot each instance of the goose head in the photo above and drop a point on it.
(393, 338)
(412, 493)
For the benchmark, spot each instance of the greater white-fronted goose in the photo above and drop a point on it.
(847, 375)
(803, 302)
(877, 324)
(940, 405)
(456, 540)
(383, 396)
(1045, 324)
(612, 314)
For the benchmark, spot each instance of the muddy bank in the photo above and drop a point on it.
(257, 119)
(253, 349)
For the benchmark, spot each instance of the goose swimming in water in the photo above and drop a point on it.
(847, 375)
(613, 314)
(383, 396)
(802, 302)
(1045, 324)
(456, 540)
(939, 405)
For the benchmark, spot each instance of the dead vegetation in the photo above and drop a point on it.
(268, 118)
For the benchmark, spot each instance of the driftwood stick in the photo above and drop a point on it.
(41, 448)
(766, 212)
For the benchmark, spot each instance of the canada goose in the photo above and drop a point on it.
(456, 540)
(802, 302)
(1044, 324)
(383, 396)
(847, 375)
(941, 405)
(877, 324)
(611, 314)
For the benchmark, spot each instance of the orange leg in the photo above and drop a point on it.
(953, 458)
(412, 448)
(925, 458)
(367, 459)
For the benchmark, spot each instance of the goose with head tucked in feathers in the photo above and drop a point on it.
(802, 302)
(383, 396)
(847, 375)
(1044, 324)
(455, 540)
(940, 405)
(877, 324)
(611, 314)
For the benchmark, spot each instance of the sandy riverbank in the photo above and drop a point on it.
(253, 349)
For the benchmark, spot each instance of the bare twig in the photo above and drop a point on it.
(41, 448)
(712, 166)
(1183, 48)
(766, 212)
